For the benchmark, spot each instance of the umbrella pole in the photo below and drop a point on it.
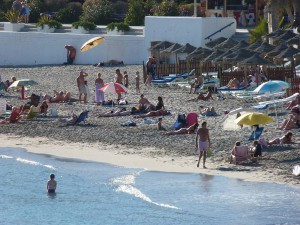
(23, 93)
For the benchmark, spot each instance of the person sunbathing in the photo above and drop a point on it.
(293, 122)
(190, 130)
(207, 111)
(110, 63)
(286, 139)
(13, 118)
(207, 96)
(58, 97)
(119, 112)
(33, 112)
(161, 112)
(293, 103)
(235, 84)
(44, 108)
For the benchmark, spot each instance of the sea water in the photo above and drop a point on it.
(97, 193)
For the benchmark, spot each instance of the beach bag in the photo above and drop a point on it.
(181, 122)
(209, 153)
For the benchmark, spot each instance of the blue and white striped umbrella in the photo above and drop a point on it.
(272, 86)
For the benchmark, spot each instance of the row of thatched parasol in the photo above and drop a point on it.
(229, 50)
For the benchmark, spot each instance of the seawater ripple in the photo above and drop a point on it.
(6, 157)
(26, 161)
(126, 183)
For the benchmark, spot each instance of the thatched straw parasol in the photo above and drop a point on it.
(215, 42)
(264, 47)
(229, 43)
(285, 36)
(220, 57)
(240, 45)
(187, 48)
(239, 55)
(287, 53)
(199, 54)
(294, 41)
(256, 59)
(254, 45)
(172, 48)
(277, 50)
(274, 34)
(213, 55)
(161, 45)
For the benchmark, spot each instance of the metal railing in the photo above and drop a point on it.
(218, 31)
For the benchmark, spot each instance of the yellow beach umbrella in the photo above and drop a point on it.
(253, 119)
(92, 43)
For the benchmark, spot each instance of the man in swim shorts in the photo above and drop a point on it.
(81, 86)
(51, 184)
(202, 142)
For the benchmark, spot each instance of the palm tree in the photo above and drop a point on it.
(278, 8)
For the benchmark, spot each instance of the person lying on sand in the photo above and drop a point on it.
(161, 112)
(110, 63)
(189, 130)
(207, 111)
(293, 122)
(286, 139)
(119, 112)
(58, 97)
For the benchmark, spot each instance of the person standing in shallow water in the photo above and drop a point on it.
(51, 184)
(202, 142)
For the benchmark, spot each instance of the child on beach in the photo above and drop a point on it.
(137, 82)
(51, 184)
(159, 124)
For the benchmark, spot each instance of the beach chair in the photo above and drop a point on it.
(81, 118)
(191, 118)
(240, 154)
(255, 135)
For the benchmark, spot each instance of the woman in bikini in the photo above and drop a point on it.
(160, 112)
(286, 139)
(189, 130)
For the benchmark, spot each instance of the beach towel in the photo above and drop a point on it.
(191, 119)
(128, 123)
(180, 122)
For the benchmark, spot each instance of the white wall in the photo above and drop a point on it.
(184, 30)
(34, 48)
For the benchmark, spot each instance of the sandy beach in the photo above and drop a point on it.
(142, 146)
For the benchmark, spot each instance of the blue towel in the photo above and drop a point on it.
(256, 134)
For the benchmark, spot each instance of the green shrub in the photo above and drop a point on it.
(136, 13)
(71, 13)
(166, 8)
(97, 11)
(85, 24)
(51, 23)
(120, 26)
(12, 16)
(35, 10)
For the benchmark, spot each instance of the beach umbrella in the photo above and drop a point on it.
(240, 45)
(93, 42)
(172, 48)
(272, 86)
(220, 57)
(256, 59)
(254, 45)
(213, 55)
(285, 36)
(253, 118)
(274, 33)
(277, 50)
(199, 56)
(264, 47)
(294, 41)
(229, 43)
(22, 84)
(187, 48)
(213, 43)
(161, 45)
(239, 55)
(113, 87)
(287, 53)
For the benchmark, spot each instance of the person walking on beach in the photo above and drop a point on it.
(202, 142)
(81, 86)
(51, 184)
(71, 54)
(126, 81)
(99, 95)
(119, 80)
(137, 82)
